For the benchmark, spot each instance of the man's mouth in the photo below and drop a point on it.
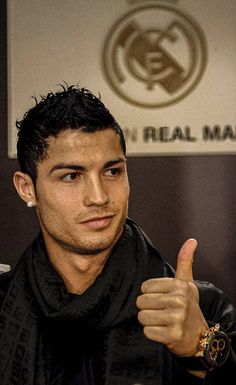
(97, 222)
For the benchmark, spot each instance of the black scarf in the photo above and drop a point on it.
(39, 313)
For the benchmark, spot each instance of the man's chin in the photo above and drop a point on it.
(93, 248)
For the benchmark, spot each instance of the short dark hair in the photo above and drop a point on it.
(70, 108)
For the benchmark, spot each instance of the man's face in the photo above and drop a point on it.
(82, 191)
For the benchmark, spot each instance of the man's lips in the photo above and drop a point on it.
(97, 222)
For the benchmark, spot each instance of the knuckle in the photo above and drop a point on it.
(176, 334)
(182, 285)
(142, 301)
(139, 302)
(141, 317)
(177, 317)
(146, 331)
(149, 332)
(181, 301)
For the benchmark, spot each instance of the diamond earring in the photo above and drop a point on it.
(30, 204)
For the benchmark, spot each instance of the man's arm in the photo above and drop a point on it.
(171, 313)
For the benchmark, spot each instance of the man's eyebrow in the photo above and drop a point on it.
(76, 167)
(62, 166)
(113, 162)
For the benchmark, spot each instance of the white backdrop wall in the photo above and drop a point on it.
(166, 69)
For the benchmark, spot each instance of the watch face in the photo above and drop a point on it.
(217, 350)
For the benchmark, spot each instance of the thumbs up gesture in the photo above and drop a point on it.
(169, 307)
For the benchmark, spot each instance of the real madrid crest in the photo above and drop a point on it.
(155, 54)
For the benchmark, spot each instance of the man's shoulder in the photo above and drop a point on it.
(209, 291)
(215, 304)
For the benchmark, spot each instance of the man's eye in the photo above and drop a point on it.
(71, 177)
(112, 172)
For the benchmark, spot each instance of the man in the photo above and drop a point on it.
(91, 301)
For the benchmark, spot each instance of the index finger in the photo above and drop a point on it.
(157, 285)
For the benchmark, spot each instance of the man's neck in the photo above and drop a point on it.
(77, 270)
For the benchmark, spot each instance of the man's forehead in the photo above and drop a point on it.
(70, 137)
(77, 147)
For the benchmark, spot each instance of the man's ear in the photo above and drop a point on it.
(25, 188)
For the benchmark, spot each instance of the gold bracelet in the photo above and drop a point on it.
(204, 339)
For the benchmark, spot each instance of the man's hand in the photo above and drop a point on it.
(169, 307)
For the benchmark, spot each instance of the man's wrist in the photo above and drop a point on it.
(213, 350)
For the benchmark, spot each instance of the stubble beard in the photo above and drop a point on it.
(93, 247)
(82, 246)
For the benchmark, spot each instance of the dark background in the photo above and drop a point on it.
(173, 198)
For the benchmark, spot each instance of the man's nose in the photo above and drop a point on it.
(96, 193)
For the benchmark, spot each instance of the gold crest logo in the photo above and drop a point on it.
(154, 55)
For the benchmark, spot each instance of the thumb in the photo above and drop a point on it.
(184, 269)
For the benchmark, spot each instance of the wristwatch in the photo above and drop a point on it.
(213, 350)
(214, 346)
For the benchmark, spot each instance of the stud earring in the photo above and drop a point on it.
(30, 204)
